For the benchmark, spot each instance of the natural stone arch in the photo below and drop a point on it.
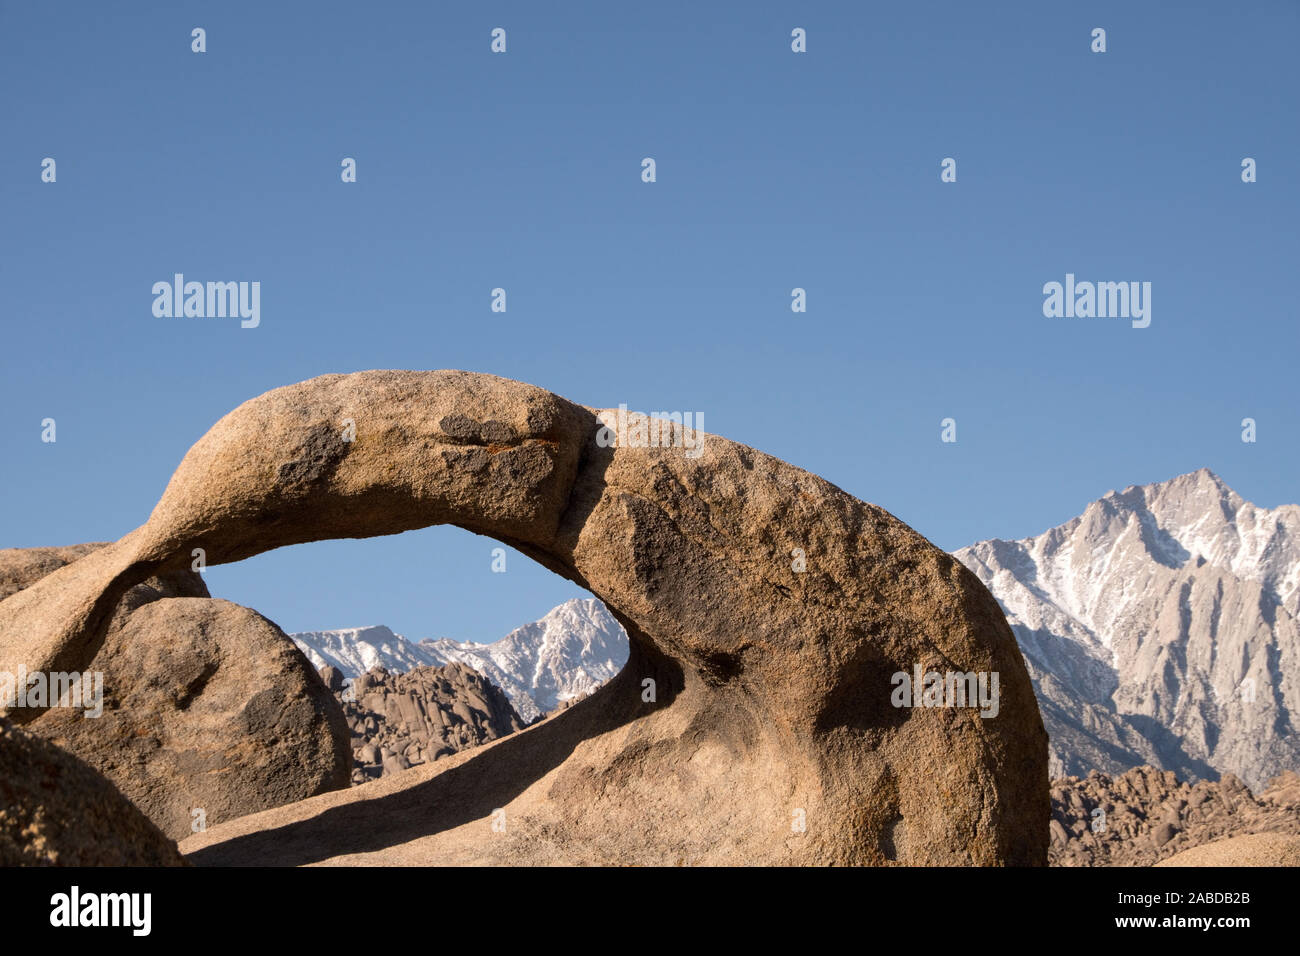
(773, 686)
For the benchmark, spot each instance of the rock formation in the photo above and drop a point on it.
(57, 811)
(1146, 815)
(755, 721)
(399, 721)
(207, 706)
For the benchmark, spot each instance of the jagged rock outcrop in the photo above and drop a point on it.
(758, 690)
(1161, 627)
(399, 721)
(57, 811)
(209, 711)
(1146, 815)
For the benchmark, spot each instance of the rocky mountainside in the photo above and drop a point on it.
(1146, 815)
(565, 655)
(399, 721)
(1160, 627)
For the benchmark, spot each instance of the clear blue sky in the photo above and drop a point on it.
(775, 170)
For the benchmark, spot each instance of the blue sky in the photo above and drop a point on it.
(775, 170)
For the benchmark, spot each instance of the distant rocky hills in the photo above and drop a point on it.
(1144, 815)
(399, 721)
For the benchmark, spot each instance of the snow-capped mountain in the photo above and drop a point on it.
(1160, 627)
(355, 650)
(568, 653)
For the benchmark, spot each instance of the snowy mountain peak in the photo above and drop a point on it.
(356, 650)
(568, 653)
(1160, 627)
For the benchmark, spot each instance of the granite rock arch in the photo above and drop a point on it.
(773, 686)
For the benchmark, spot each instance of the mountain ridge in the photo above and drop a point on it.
(565, 654)
(1158, 626)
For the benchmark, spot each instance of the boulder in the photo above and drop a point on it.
(206, 705)
(332, 678)
(770, 617)
(57, 811)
